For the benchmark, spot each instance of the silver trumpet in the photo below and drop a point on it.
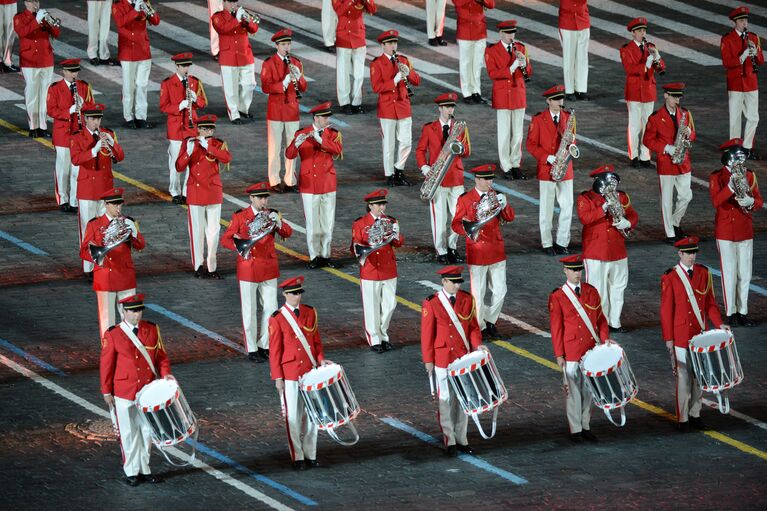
(146, 8)
(487, 208)
(252, 16)
(380, 234)
(261, 225)
(52, 20)
(115, 234)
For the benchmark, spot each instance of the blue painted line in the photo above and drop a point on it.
(23, 244)
(514, 193)
(20, 352)
(468, 458)
(194, 326)
(753, 287)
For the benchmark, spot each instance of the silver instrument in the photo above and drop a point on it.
(488, 207)
(261, 225)
(656, 56)
(450, 150)
(381, 233)
(293, 76)
(523, 61)
(146, 8)
(52, 20)
(250, 16)
(301, 138)
(606, 185)
(405, 70)
(737, 163)
(567, 150)
(105, 143)
(78, 104)
(682, 142)
(115, 234)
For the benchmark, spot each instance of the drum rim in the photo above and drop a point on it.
(609, 370)
(712, 347)
(338, 375)
(160, 406)
(485, 358)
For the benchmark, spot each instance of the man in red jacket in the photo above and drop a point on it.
(132, 356)
(329, 22)
(735, 196)
(577, 325)
(604, 240)
(687, 303)
(350, 52)
(114, 278)
(471, 36)
(574, 34)
(99, 12)
(258, 270)
(660, 136)
(378, 268)
(641, 60)
(485, 251)
(741, 57)
(449, 330)
(8, 10)
(282, 78)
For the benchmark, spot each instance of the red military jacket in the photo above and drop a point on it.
(381, 264)
(543, 139)
(118, 272)
(570, 336)
(95, 177)
(287, 358)
(471, 22)
(740, 77)
(172, 92)
(393, 102)
(262, 263)
(58, 103)
(677, 320)
(233, 42)
(661, 131)
(489, 248)
(282, 104)
(350, 31)
(509, 92)
(732, 223)
(35, 48)
(441, 344)
(430, 145)
(318, 173)
(640, 81)
(602, 241)
(204, 185)
(132, 35)
(124, 370)
(574, 15)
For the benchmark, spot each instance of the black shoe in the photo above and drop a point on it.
(358, 109)
(441, 41)
(314, 263)
(133, 480)
(65, 208)
(33, 133)
(589, 436)
(469, 100)
(433, 42)
(237, 121)
(478, 99)
(391, 181)
(516, 173)
(278, 188)
(576, 438)
(569, 97)
(330, 49)
(73, 209)
(88, 276)
(679, 233)
(183, 199)
(291, 189)
(253, 357)
(246, 115)
(734, 320)
(634, 163)
(299, 465)
(560, 250)
(144, 124)
(312, 464)
(454, 256)
(582, 96)
(329, 263)
(646, 164)
(618, 329)
(131, 124)
(399, 176)
(387, 346)
(347, 110)
(263, 354)
(214, 57)
(44, 133)
(200, 272)
(214, 275)
(443, 259)
(744, 321)
(149, 478)
(10, 68)
(753, 155)
(94, 61)
(683, 427)
(549, 251)
(492, 331)
(671, 240)
(377, 348)
(697, 423)
(107, 62)
(465, 449)
(452, 451)
(176, 199)
(507, 175)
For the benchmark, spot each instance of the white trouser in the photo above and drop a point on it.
(274, 133)
(302, 433)
(510, 133)
(329, 21)
(562, 191)
(442, 211)
(379, 299)
(213, 7)
(239, 83)
(492, 276)
(575, 59)
(99, 17)
(7, 34)
(36, 83)
(471, 58)
(108, 301)
(451, 418)
(435, 18)
(638, 114)
(204, 226)
(177, 180)
(673, 213)
(135, 438)
(610, 278)
(320, 215)
(396, 132)
(88, 209)
(736, 258)
(65, 178)
(578, 401)
(350, 71)
(135, 82)
(688, 393)
(747, 105)
(252, 296)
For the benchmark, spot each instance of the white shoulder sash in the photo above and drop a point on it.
(581, 312)
(297, 330)
(450, 312)
(690, 295)
(139, 346)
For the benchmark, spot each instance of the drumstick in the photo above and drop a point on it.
(113, 416)
(564, 381)
(431, 384)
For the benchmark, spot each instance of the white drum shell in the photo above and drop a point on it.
(715, 360)
(328, 397)
(609, 377)
(476, 382)
(164, 410)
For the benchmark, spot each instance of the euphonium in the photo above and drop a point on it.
(682, 142)
(740, 176)
(567, 150)
(450, 149)
(381, 233)
(488, 207)
(261, 225)
(116, 233)
(606, 185)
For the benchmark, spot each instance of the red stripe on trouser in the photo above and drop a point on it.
(721, 266)
(434, 222)
(191, 234)
(287, 426)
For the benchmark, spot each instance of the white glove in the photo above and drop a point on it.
(73, 109)
(656, 55)
(514, 66)
(190, 147)
(317, 137)
(397, 78)
(193, 96)
(744, 55)
(299, 140)
(240, 13)
(96, 149)
(138, 5)
(286, 81)
(109, 139)
(502, 200)
(604, 207)
(274, 217)
(203, 142)
(395, 229)
(132, 225)
(40, 15)
(622, 224)
(296, 70)
(425, 169)
(550, 159)
(745, 202)
(648, 63)
(669, 149)
(183, 105)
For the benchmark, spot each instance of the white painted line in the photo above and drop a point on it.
(9, 95)
(703, 14)
(755, 9)
(243, 204)
(734, 413)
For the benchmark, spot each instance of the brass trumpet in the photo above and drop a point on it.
(656, 56)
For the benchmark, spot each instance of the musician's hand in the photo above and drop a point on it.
(189, 146)
(743, 56)
(745, 202)
(279, 384)
(550, 159)
(726, 328)
(275, 217)
(299, 139)
(648, 62)
(203, 141)
(183, 105)
(170, 377)
(133, 229)
(622, 224)
(502, 200)
(561, 362)
(240, 14)
(40, 16)
(286, 81)
(326, 362)
(108, 138)
(514, 66)
(138, 5)
(192, 96)
(429, 367)
(484, 348)
(688, 131)
(672, 355)
(73, 109)
(316, 135)
(669, 149)
(425, 169)
(109, 399)
(398, 77)
(296, 71)
(405, 70)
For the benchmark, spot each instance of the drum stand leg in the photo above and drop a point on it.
(623, 417)
(334, 436)
(475, 416)
(723, 399)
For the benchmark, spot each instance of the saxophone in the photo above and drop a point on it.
(488, 207)
(381, 233)
(607, 187)
(115, 234)
(682, 142)
(450, 149)
(261, 225)
(567, 150)
(740, 179)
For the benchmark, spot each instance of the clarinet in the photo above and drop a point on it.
(293, 77)
(407, 82)
(190, 122)
(78, 105)
(754, 65)
(522, 69)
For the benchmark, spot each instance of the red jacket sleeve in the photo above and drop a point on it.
(730, 55)
(533, 141)
(107, 363)
(507, 213)
(667, 307)
(331, 141)
(227, 240)
(422, 148)
(163, 362)
(588, 211)
(557, 326)
(276, 348)
(291, 152)
(475, 333)
(460, 213)
(182, 162)
(316, 340)
(138, 242)
(650, 139)
(88, 239)
(428, 329)
(712, 310)
(220, 153)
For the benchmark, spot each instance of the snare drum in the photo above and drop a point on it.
(329, 400)
(477, 386)
(609, 377)
(164, 410)
(716, 364)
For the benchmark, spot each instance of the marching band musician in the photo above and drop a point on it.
(660, 136)
(329, 22)
(350, 52)
(203, 155)
(449, 328)
(392, 77)
(509, 67)
(132, 356)
(544, 136)
(258, 273)
(471, 36)
(735, 199)
(687, 302)
(318, 145)
(35, 28)
(282, 78)
(640, 62)
(434, 135)
(435, 22)
(574, 34)
(115, 279)
(296, 347)
(238, 72)
(378, 269)
(64, 102)
(214, 6)
(575, 305)
(485, 253)
(134, 54)
(8, 10)
(604, 242)
(99, 12)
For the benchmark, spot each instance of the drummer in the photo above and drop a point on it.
(569, 308)
(295, 348)
(682, 317)
(132, 355)
(446, 337)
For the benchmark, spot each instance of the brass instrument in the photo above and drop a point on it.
(52, 20)
(251, 16)
(517, 56)
(737, 164)
(606, 185)
(146, 8)
(752, 48)
(682, 142)
(188, 91)
(567, 150)
(115, 234)
(105, 144)
(261, 225)
(488, 207)
(656, 56)
(405, 70)
(293, 77)
(450, 149)
(381, 233)
(301, 138)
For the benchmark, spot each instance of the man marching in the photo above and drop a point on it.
(99, 12)
(574, 34)
(471, 36)
(350, 52)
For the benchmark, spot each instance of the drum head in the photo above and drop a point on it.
(602, 358)
(475, 358)
(710, 338)
(322, 374)
(157, 393)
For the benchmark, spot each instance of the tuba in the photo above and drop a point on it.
(567, 150)
(381, 233)
(486, 209)
(606, 185)
(261, 225)
(682, 142)
(450, 149)
(115, 234)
